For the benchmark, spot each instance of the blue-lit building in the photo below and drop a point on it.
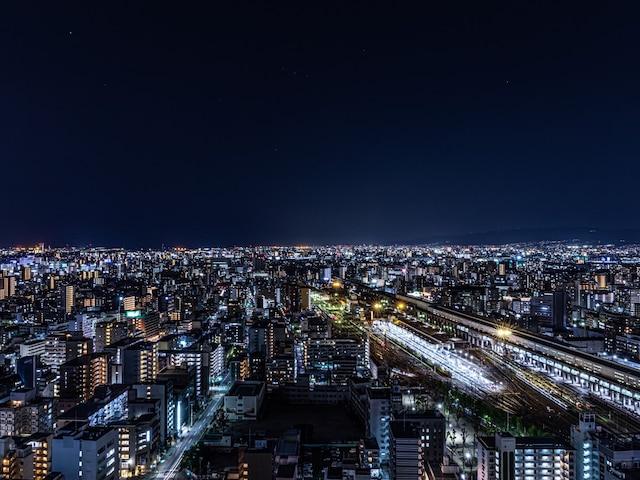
(90, 453)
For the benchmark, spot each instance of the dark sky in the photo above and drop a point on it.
(221, 123)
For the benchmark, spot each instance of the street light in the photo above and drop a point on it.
(467, 461)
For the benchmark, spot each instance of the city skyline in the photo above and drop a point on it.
(390, 362)
(226, 124)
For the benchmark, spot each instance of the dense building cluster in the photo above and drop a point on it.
(111, 356)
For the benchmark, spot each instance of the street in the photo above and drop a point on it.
(171, 466)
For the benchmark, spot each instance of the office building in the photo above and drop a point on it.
(341, 358)
(26, 368)
(90, 453)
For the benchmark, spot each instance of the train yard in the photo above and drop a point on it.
(423, 356)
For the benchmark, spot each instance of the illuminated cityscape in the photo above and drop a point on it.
(335, 240)
(243, 361)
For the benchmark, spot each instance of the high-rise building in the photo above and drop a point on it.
(379, 417)
(140, 362)
(108, 332)
(87, 454)
(198, 359)
(32, 347)
(281, 369)
(138, 444)
(341, 357)
(406, 459)
(549, 310)
(11, 285)
(505, 457)
(162, 390)
(41, 446)
(584, 440)
(258, 336)
(129, 303)
(305, 298)
(148, 324)
(9, 462)
(69, 298)
(24, 414)
(325, 274)
(26, 369)
(432, 426)
(80, 376)
(110, 403)
(62, 347)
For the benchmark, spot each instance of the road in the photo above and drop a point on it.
(171, 466)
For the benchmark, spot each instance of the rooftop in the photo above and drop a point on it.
(245, 389)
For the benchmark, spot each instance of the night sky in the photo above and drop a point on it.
(248, 123)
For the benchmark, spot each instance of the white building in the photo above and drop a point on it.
(505, 457)
(584, 439)
(32, 348)
(22, 413)
(244, 400)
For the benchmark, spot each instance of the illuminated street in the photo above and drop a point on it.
(171, 466)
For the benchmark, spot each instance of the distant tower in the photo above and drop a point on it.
(305, 298)
(69, 297)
